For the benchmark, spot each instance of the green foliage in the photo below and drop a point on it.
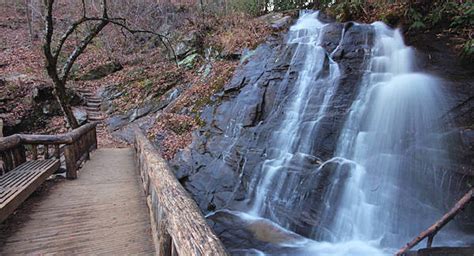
(465, 16)
(456, 14)
(468, 49)
(459, 16)
(417, 25)
(346, 10)
(417, 21)
(440, 12)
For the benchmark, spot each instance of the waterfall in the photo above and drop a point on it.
(390, 137)
(378, 184)
(390, 141)
(317, 82)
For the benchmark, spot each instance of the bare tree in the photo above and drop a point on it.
(60, 77)
(28, 20)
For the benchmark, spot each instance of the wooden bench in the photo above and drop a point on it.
(26, 161)
(19, 183)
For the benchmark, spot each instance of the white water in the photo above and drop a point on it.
(390, 139)
(311, 85)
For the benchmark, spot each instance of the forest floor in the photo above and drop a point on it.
(215, 45)
(147, 73)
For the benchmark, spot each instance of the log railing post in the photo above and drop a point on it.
(165, 245)
(57, 151)
(70, 156)
(177, 221)
(94, 138)
(34, 151)
(46, 151)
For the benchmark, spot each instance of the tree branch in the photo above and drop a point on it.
(80, 49)
(51, 61)
(65, 36)
(433, 230)
(163, 39)
(83, 8)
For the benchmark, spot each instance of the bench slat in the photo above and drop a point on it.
(36, 165)
(19, 183)
(15, 180)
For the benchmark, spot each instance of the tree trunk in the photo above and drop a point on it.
(60, 93)
(28, 20)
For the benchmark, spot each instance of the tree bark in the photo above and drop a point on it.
(60, 78)
(431, 231)
(28, 20)
(1, 127)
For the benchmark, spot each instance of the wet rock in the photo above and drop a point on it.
(236, 140)
(244, 233)
(282, 23)
(443, 251)
(101, 71)
(218, 167)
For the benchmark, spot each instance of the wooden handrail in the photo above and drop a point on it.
(10, 142)
(177, 221)
(78, 143)
(433, 230)
(66, 138)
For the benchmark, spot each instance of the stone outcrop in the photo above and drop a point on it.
(217, 167)
(101, 71)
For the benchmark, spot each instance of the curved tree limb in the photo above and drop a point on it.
(60, 78)
(120, 22)
(433, 230)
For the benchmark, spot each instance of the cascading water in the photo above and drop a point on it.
(391, 140)
(291, 142)
(382, 186)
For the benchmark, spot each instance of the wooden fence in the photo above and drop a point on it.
(76, 145)
(178, 224)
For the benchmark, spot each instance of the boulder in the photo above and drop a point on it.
(282, 23)
(101, 71)
(189, 44)
(80, 114)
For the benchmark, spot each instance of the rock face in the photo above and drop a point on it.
(436, 56)
(101, 71)
(41, 103)
(216, 169)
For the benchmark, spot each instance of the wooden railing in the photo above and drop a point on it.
(76, 145)
(178, 225)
